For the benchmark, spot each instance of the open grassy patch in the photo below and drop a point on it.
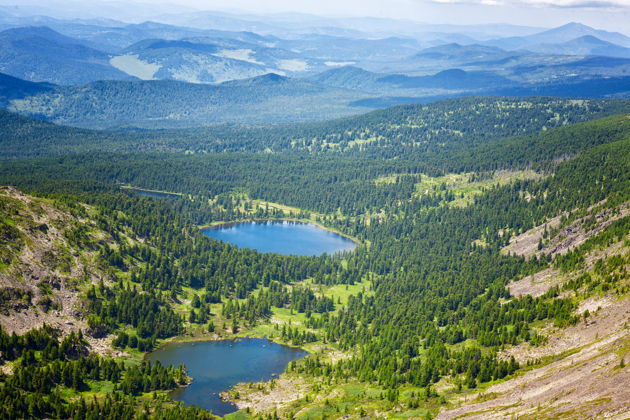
(460, 189)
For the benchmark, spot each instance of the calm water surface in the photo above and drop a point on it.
(282, 237)
(216, 366)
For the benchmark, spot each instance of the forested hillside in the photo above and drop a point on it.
(432, 130)
(113, 103)
(436, 303)
(486, 228)
(276, 215)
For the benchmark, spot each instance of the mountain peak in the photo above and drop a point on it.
(265, 79)
(574, 25)
(572, 28)
(271, 77)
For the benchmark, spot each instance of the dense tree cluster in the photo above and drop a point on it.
(45, 364)
(433, 128)
(126, 306)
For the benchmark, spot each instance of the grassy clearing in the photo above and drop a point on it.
(270, 328)
(465, 186)
(356, 400)
(239, 415)
(458, 190)
(285, 316)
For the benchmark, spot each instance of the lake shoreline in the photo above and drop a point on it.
(220, 224)
(222, 394)
(202, 339)
(224, 224)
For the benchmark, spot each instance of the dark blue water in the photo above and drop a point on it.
(282, 237)
(216, 366)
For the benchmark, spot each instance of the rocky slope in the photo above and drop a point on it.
(577, 371)
(49, 255)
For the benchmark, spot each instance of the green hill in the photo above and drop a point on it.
(163, 104)
(430, 130)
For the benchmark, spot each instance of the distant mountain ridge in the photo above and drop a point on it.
(455, 51)
(208, 60)
(356, 78)
(584, 45)
(41, 54)
(87, 52)
(107, 104)
(352, 71)
(14, 88)
(559, 35)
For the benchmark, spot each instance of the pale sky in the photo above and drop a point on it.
(603, 14)
(612, 15)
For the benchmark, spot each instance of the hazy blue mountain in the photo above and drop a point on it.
(389, 67)
(216, 59)
(114, 38)
(95, 10)
(574, 30)
(462, 53)
(220, 21)
(584, 45)
(204, 59)
(573, 70)
(41, 54)
(186, 61)
(291, 24)
(338, 51)
(14, 88)
(351, 77)
(559, 35)
(483, 31)
(453, 79)
(104, 104)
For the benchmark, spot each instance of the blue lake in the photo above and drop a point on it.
(282, 237)
(216, 366)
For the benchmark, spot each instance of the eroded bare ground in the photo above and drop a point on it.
(588, 383)
(526, 244)
(268, 396)
(42, 283)
(578, 372)
(570, 237)
(537, 284)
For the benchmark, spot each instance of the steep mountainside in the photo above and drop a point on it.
(49, 258)
(580, 369)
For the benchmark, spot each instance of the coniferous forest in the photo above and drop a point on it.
(419, 314)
